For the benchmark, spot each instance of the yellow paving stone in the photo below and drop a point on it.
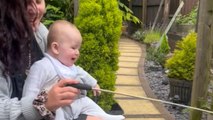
(127, 80)
(126, 41)
(128, 71)
(129, 48)
(144, 119)
(128, 64)
(130, 51)
(134, 59)
(131, 54)
(128, 44)
(130, 90)
(135, 107)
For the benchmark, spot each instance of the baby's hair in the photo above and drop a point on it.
(56, 30)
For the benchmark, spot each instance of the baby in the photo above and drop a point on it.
(64, 42)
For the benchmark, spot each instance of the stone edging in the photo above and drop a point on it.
(141, 74)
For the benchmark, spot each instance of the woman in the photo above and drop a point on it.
(16, 54)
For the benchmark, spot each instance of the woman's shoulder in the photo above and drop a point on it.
(42, 27)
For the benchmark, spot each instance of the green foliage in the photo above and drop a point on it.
(188, 19)
(182, 64)
(152, 37)
(53, 13)
(100, 24)
(153, 55)
(57, 10)
(164, 46)
(138, 35)
(127, 14)
(158, 55)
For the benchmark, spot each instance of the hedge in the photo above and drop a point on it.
(99, 22)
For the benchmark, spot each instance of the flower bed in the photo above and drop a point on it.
(155, 76)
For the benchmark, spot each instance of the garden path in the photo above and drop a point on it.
(131, 80)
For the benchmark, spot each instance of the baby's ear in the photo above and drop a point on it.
(54, 48)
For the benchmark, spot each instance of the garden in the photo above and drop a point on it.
(171, 62)
(178, 63)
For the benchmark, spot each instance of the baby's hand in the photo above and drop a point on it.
(96, 92)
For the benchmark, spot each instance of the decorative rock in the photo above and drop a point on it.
(165, 81)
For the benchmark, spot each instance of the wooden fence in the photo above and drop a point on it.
(152, 8)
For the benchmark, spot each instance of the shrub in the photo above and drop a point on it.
(188, 19)
(100, 24)
(158, 55)
(127, 14)
(181, 65)
(153, 55)
(58, 9)
(53, 13)
(138, 35)
(164, 45)
(152, 37)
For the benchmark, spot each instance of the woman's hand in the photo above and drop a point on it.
(59, 95)
(96, 92)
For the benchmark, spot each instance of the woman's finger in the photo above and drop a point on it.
(67, 95)
(64, 82)
(69, 89)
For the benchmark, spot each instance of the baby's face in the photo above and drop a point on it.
(69, 49)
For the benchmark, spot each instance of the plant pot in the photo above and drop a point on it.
(180, 90)
(182, 30)
(185, 28)
(116, 110)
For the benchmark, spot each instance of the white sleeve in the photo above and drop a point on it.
(14, 109)
(86, 77)
(41, 37)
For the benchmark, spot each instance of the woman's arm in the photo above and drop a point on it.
(14, 109)
(41, 36)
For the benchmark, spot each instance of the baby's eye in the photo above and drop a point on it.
(38, 1)
(72, 47)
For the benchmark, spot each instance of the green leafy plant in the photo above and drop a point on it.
(159, 55)
(151, 37)
(99, 22)
(182, 64)
(164, 46)
(127, 14)
(188, 19)
(58, 9)
(138, 35)
(53, 13)
(153, 55)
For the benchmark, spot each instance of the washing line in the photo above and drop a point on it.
(86, 87)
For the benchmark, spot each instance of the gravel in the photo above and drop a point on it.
(156, 76)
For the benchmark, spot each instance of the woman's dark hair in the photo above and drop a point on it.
(15, 35)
